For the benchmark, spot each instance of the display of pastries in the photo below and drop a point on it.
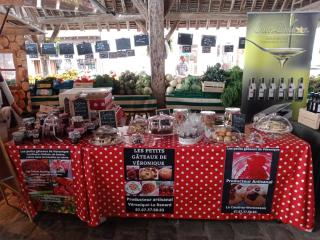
(273, 124)
(161, 124)
(148, 173)
(236, 194)
(148, 188)
(106, 135)
(138, 126)
(165, 173)
(255, 196)
(225, 134)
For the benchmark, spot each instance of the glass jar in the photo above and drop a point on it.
(180, 115)
(229, 112)
(208, 118)
(161, 124)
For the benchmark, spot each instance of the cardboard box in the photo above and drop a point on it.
(91, 93)
(309, 119)
(216, 87)
(100, 103)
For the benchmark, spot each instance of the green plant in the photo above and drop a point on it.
(214, 73)
(314, 84)
(231, 97)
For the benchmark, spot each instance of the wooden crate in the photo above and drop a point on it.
(216, 87)
(309, 119)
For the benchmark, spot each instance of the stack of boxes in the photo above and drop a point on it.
(98, 99)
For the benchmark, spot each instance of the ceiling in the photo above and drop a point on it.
(130, 14)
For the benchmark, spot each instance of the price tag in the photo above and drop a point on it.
(108, 117)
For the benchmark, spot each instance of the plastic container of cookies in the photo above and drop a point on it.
(225, 134)
(273, 124)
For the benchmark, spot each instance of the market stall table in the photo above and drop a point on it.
(99, 181)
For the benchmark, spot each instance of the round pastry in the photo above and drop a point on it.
(148, 187)
(236, 194)
(165, 173)
(255, 196)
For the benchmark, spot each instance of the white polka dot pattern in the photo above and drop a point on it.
(99, 182)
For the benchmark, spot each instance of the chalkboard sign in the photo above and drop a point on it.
(103, 54)
(242, 42)
(68, 56)
(66, 48)
(102, 46)
(88, 56)
(32, 49)
(84, 48)
(166, 111)
(186, 49)
(108, 117)
(66, 102)
(113, 54)
(208, 41)
(185, 39)
(228, 48)
(123, 43)
(131, 53)
(239, 122)
(80, 106)
(33, 55)
(206, 49)
(122, 54)
(141, 40)
(48, 48)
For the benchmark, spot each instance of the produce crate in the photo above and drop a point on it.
(309, 119)
(195, 101)
(36, 101)
(215, 87)
(136, 103)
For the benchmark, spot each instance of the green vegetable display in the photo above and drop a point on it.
(107, 81)
(231, 97)
(215, 74)
(314, 84)
(190, 84)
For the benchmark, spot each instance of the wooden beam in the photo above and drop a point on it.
(310, 7)
(142, 26)
(123, 5)
(253, 6)
(221, 5)
(91, 19)
(55, 32)
(98, 6)
(157, 50)
(142, 8)
(16, 3)
(209, 10)
(263, 5)
(137, 17)
(284, 5)
(172, 29)
(232, 5)
(168, 4)
(274, 6)
(203, 16)
(243, 5)
(228, 24)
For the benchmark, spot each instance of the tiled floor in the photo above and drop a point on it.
(16, 226)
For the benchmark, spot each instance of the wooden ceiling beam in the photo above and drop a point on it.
(253, 6)
(263, 5)
(284, 5)
(310, 7)
(242, 5)
(172, 29)
(91, 19)
(55, 32)
(232, 5)
(99, 6)
(142, 8)
(142, 26)
(168, 4)
(204, 16)
(209, 10)
(274, 6)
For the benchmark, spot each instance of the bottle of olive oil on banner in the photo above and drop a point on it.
(252, 90)
(300, 89)
(291, 89)
(282, 90)
(262, 89)
(272, 89)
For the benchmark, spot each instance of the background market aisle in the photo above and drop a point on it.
(47, 226)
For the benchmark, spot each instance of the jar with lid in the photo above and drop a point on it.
(229, 112)
(180, 115)
(208, 118)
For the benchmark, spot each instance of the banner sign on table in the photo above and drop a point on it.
(283, 43)
(149, 176)
(48, 177)
(249, 180)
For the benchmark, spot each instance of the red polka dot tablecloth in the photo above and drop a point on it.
(199, 174)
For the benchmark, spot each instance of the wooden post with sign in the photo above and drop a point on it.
(157, 50)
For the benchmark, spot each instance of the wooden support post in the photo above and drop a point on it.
(55, 32)
(172, 29)
(157, 50)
